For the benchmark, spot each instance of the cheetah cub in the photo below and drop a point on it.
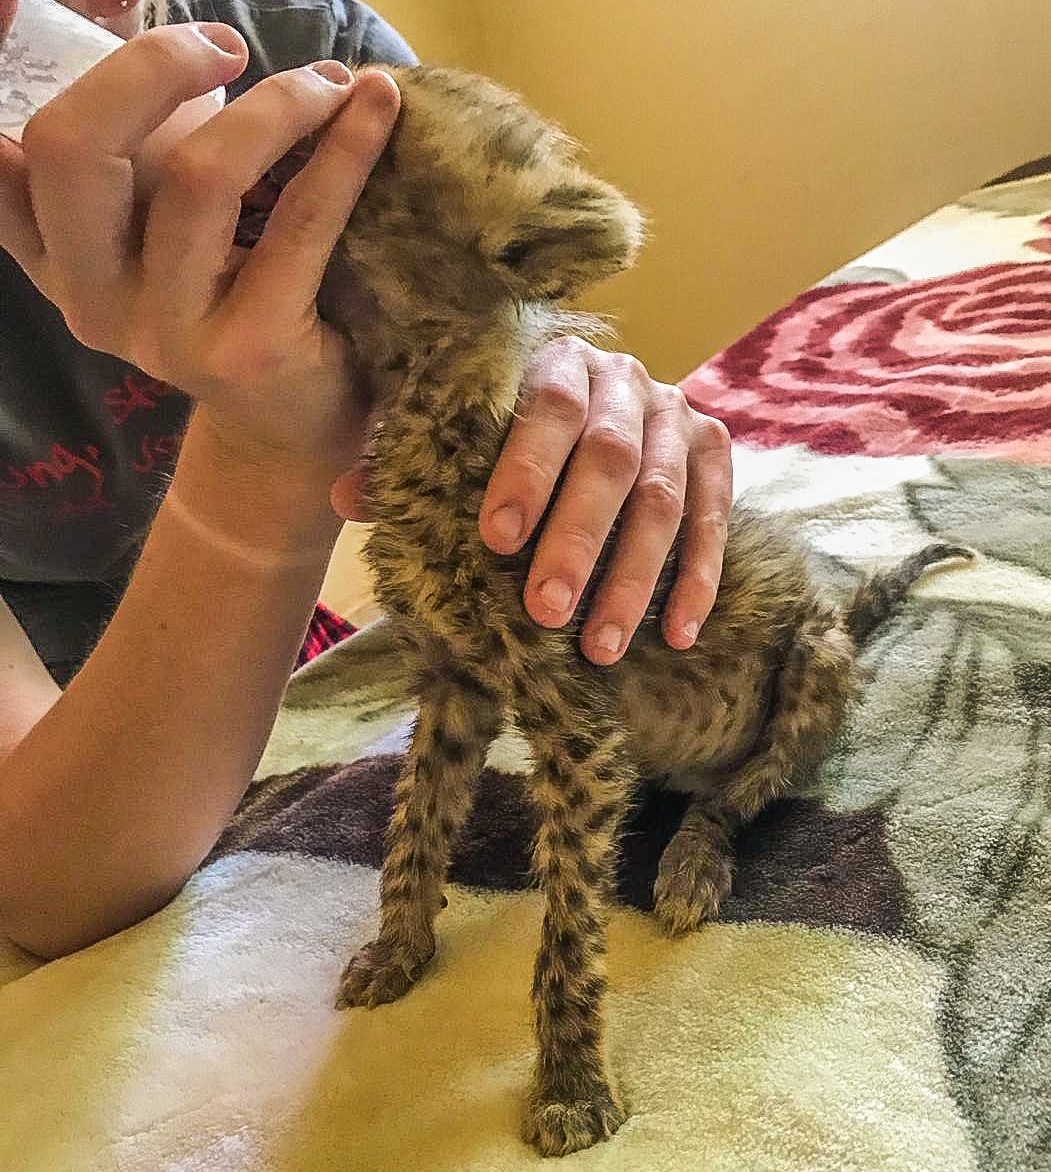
(477, 221)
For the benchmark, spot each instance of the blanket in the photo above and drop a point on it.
(877, 994)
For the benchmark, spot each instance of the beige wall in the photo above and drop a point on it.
(769, 140)
(445, 31)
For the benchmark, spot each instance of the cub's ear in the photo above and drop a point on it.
(568, 237)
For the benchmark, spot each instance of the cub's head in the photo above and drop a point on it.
(476, 201)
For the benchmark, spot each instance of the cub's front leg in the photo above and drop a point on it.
(454, 729)
(582, 786)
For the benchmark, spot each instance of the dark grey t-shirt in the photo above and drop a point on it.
(86, 441)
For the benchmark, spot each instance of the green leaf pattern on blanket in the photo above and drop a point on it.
(953, 736)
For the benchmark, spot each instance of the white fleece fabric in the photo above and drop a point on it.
(205, 1041)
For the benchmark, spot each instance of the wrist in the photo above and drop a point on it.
(256, 498)
(245, 455)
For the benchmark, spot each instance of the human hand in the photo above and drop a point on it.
(157, 281)
(8, 8)
(630, 446)
(123, 18)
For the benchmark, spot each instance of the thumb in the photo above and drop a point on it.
(349, 494)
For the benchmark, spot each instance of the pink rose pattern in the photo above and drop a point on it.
(957, 364)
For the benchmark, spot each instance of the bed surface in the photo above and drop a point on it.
(877, 995)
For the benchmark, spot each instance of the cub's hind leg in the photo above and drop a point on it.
(696, 868)
(814, 686)
(459, 717)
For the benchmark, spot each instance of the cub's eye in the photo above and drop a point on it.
(513, 253)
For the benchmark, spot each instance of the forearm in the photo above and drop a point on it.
(116, 795)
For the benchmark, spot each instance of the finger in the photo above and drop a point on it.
(99, 9)
(128, 94)
(709, 501)
(312, 212)
(149, 161)
(193, 216)
(121, 17)
(18, 230)
(552, 415)
(8, 8)
(83, 141)
(601, 474)
(651, 519)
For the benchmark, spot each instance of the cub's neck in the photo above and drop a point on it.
(446, 400)
(444, 417)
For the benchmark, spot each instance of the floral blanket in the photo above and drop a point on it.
(878, 994)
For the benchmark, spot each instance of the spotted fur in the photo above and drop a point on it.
(477, 220)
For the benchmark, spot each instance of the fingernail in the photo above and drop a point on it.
(333, 71)
(556, 594)
(508, 522)
(691, 630)
(221, 37)
(609, 638)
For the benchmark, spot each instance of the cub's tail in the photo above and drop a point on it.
(880, 595)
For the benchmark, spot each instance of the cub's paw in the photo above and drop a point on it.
(693, 879)
(381, 972)
(556, 1128)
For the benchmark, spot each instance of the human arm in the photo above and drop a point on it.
(114, 790)
(111, 792)
(27, 690)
